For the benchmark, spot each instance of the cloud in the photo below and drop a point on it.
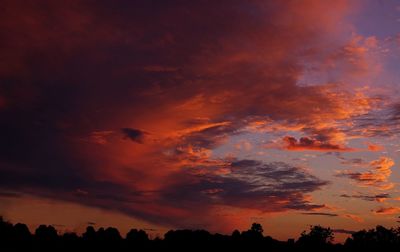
(374, 147)
(209, 135)
(322, 214)
(100, 137)
(354, 217)
(377, 177)
(6, 194)
(378, 197)
(352, 161)
(343, 231)
(356, 57)
(193, 82)
(267, 187)
(387, 210)
(135, 135)
(378, 123)
(306, 143)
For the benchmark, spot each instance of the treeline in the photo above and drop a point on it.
(46, 238)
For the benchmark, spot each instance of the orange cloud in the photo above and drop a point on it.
(377, 177)
(354, 217)
(374, 147)
(387, 210)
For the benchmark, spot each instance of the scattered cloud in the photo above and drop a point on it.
(306, 143)
(377, 177)
(378, 197)
(267, 187)
(387, 210)
(354, 217)
(193, 84)
(374, 147)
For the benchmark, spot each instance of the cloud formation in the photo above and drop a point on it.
(135, 135)
(377, 177)
(305, 143)
(354, 217)
(322, 214)
(268, 187)
(387, 210)
(378, 197)
(76, 77)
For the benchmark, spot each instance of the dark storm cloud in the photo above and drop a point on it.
(68, 69)
(135, 135)
(250, 184)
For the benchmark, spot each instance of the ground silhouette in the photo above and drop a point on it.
(46, 238)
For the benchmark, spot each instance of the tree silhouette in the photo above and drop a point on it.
(236, 235)
(22, 233)
(46, 233)
(257, 228)
(318, 234)
(379, 238)
(254, 233)
(111, 234)
(137, 236)
(318, 238)
(18, 238)
(90, 234)
(6, 232)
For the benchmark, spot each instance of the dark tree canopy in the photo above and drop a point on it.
(318, 238)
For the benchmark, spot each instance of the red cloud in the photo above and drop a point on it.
(189, 80)
(306, 143)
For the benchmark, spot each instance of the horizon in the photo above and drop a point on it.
(165, 115)
(253, 229)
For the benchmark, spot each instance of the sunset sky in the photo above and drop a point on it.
(200, 114)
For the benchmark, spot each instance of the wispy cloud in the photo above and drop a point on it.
(378, 176)
(387, 210)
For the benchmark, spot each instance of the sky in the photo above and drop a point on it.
(200, 114)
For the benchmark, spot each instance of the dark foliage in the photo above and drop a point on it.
(45, 238)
